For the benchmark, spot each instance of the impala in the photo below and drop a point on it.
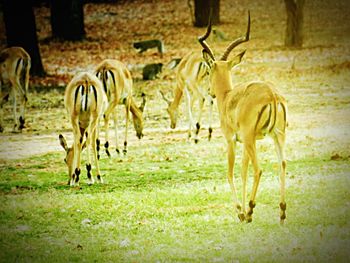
(85, 101)
(117, 84)
(14, 70)
(190, 74)
(248, 112)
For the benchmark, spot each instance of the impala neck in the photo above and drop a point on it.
(136, 112)
(177, 98)
(222, 83)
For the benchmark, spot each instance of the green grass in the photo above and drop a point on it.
(172, 203)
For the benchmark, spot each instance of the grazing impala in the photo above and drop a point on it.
(14, 70)
(247, 112)
(190, 74)
(85, 102)
(117, 84)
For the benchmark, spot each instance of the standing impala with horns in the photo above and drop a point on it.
(117, 84)
(15, 64)
(85, 102)
(247, 112)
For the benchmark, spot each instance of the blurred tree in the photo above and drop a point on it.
(295, 17)
(202, 11)
(21, 31)
(67, 19)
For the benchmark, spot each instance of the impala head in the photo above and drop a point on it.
(69, 153)
(138, 120)
(220, 69)
(172, 112)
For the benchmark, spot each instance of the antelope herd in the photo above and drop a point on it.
(247, 112)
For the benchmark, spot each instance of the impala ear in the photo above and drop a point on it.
(237, 59)
(63, 142)
(208, 59)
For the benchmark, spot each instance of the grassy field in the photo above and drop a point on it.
(168, 199)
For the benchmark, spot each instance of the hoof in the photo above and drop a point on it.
(90, 183)
(196, 141)
(281, 222)
(241, 217)
(99, 179)
(21, 123)
(249, 219)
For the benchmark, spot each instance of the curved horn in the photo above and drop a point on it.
(202, 39)
(237, 41)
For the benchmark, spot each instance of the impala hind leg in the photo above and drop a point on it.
(230, 177)
(279, 140)
(106, 128)
(244, 175)
(250, 147)
(115, 117)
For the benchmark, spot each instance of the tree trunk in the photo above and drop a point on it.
(21, 31)
(294, 31)
(67, 19)
(202, 12)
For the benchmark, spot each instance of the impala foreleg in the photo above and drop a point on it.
(94, 134)
(108, 112)
(78, 140)
(14, 105)
(189, 112)
(3, 100)
(88, 165)
(98, 174)
(200, 111)
(211, 103)
(22, 112)
(127, 116)
(230, 177)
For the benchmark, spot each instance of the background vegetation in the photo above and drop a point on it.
(168, 199)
